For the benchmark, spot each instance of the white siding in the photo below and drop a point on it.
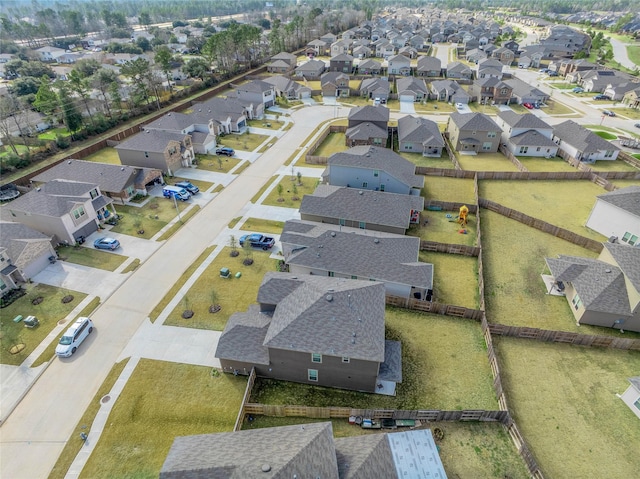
(610, 220)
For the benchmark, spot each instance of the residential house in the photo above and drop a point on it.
(616, 214)
(329, 38)
(311, 69)
(490, 67)
(631, 397)
(523, 92)
(449, 91)
(490, 49)
(199, 125)
(367, 125)
(162, 150)
(399, 65)
(6, 57)
(526, 135)
(335, 84)
(302, 451)
(617, 92)
(256, 92)
(313, 329)
(115, 181)
(512, 45)
(377, 87)
(227, 115)
(411, 89)
(337, 251)
(366, 209)
(373, 168)
(491, 91)
(283, 62)
(505, 55)
(320, 48)
(340, 47)
(361, 52)
(429, 67)
(567, 66)
(631, 99)
(24, 252)
(49, 54)
(596, 81)
(384, 48)
(369, 67)
(524, 62)
(602, 292)
(419, 135)
(62, 210)
(287, 88)
(473, 132)
(341, 63)
(459, 70)
(582, 144)
(475, 55)
(408, 52)
(418, 42)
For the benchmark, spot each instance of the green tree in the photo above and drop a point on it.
(163, 60)
(70, 114)
(102, 81)
(196, 68)
(80, 85)
(144, 19)
(46, 102)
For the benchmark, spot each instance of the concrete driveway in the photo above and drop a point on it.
(462, 108)
(76, 277)
(407, 107)
(131, 246)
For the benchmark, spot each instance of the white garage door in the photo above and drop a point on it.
(305, 94)
(407, 98)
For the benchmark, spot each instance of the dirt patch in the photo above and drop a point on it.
(234, 254)
(247, 262)
(67, 299)
(38, 300)
(187, 314)
(214, 308)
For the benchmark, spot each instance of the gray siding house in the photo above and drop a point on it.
(473, 132)
(419, 135)
(157, 149)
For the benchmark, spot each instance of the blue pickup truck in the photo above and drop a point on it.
(258, 241)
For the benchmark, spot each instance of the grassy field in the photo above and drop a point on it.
(148, 415)
(308, 186)
(542, 164)
(606, 135)
(333, 143)
(434, 107)
(49, 312)
(634, 53)
(151, 218)
(625, 183)
(53, 132)
(244, 142)
(91, 257)
(263, 225)
(417, 159)
(563, 398)
(106, 155)
(455, 278)
(232, 294)
(615, 165)
(562, 203)
(219, 164)
(486, 162)
(448, 189)
(266, 124)
(444, 366)
(631, 113)
(555, 108)
(439, 228)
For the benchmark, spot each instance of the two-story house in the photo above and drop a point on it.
(158, 149)
(526, 135)
(459, 71)
(450, 91)
(377, 87)
(411, 89)
(399, 65)
(311, 69)
(584, 145)
(419, 135)
(256, 92)
(429, 67)
(473, 132)
(491, 91)
(616, 214)
(369, 67)
(367, 125)
(335, 84)
(341, 63)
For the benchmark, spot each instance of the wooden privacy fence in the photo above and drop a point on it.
(512, 158)
(433, 307)
(526, 175)
(460, 249)
(627, 158)
(450, 152)
(247, 395)
(323, 136)
(556, 231)
(547, 335)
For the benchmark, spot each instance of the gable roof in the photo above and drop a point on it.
(150, 140)
(243, 337)
(474, 121)
(364, 457)
(330, 78)
(54, 198)
(311, 66)
(375, 84)
(526, 120)
(18, 239)
(341, 57)
(582, 139)
(627, 199)
(418, 129)
(366, 131)
(628, 260)
(521, 88)
(457, 67)
(372, 207)
(532, 138)
(429, 63)
(369, 113)
(255, 86)
(370, 64)
(171, 121)
(411, 84)
(376, 158)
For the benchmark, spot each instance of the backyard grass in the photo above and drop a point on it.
(606, 135)
(232, 294)
(90, 257)
(106, 155)
(308, 186)
(562, 203)
(257, 196)
(148, 415)
(169, 232)
(543, 164)
(53, 132)
(417, 159)
(615, 165)
(244, 142)
(49, 312)
(263, 225)
(444, 366)
(219, 164)
(73, 445)
(486, 162)
(443, 188)
(333, 143)
(625, 183)
(563, 399)
(151, 218)
(266, 124)
(455, 278)
(444, 230)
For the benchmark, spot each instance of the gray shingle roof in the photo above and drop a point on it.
(532, 138)
(374, 84)
(366, 254)
(304, 451)
(426, 63)
(16, 237)
(372, 207)
(54, 198)
(364, 457)
(311, 66)
(150, 140)
(457, 67)
(219, 109)
(391, 368)
(474, 121)
(528, 120)
(342, 57)
(628, 260)
(330, 78)
(257, 86)
(627, 199)
(171, 121)
(243, 337)
(369, 113)
(376, 158)
(411, 84)
(421, 130)
(370, 64)
(635, 381)
(601, 286)
(366, 131)
(579, 137)
(521, 88)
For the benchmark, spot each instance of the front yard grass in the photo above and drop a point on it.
(434, 107)
(444, 230)
(633, 51)
(562, 203)
(308, 186)
(563, 399)
(417, 159)
(106, 155)
(333, 143)
(543, 164)
(630, 113)
(160, 401)
(169, 232)
(49, 312)
(443, 188)
(218, 164)
(244, 142)
(606, 135)
(455, 278)
(555, 108)
(265, 124)
(260, 192)
(263, 225)
(90, 257)
(486, 109)
(444, 366)
(232, 294)
(202, 185)
(486, 162)
(151, 218)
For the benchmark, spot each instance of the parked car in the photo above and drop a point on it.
(601, 97)
(578, 90)
(553, 74)
(177, 192)
(106, 243)
(608, 113)
(190, 187)
(258, 241)
(459, 106)
(528, 106)
(73, 337)
(225, 150)
(376, 101)
(637, 125)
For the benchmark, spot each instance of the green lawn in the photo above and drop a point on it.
(455, 278)
(555, 108)
(160, 401)
(266, 124)
(263, 225)
(52, 133)
(244, 142)
(543, 164)
(49, 312)
(486, 109)
(434, 107)
(616, 165)
(106, 155)
(444, 230)
(562, 85)
(151, 218)
(308, 186)
(333, 143)
(486, 162)
(448, 189)
(519, 108)
(634, 53)
(232, 294)
(444, 366)
(631, 113)
(606, 135)
(7, 150)
(625, 183)
(561, 203)
(219, 164)
(91, 257)
(563, 399)
(417, 159)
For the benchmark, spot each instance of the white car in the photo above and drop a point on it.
(459, 106)
(73, 337)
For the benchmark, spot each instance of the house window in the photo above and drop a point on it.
(365, 184)
(637, 404)
(491, 134)
(2, 285)
(503, 91)
(312, 374)
(342, 221)
(473, 132)
(377, 141)
(409, 146)
(362, 225)
(538, 149)
(486, 145)
(316, 357)
(376, 173)
(94, 193)
(345, 359)
(630, 239)
(524, 149)
(577, 302)
(331, 274)
(353, 276)
(130, 190)
(78, 212)
(381, 187)
(608, 154)
(146, 154)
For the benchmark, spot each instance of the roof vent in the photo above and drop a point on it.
(376, 240)
(333, 234)
(38, 189)
(122, 169)
(331, 290)
(266, 468)
(294, 277)
(608, 270)
(329, 297)
(69, 162)
(354, 335)
(361, 192)
(353, 341)
(169, 114)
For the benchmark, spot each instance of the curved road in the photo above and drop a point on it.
(620, 54)
(34, 435)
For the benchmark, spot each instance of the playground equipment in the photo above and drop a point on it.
(462, 215)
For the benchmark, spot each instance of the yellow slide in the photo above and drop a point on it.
(462, 216)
